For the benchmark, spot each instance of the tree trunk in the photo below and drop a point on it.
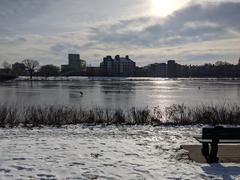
(31, 75)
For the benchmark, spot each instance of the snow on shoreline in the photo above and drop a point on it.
(78, 152)
(102, 78)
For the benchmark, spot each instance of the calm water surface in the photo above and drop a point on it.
(121, 93)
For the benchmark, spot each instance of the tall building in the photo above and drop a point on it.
(239, 62)
(119, 66)
(171, 68)
(75, 66)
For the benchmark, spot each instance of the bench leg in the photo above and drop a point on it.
(213, 154)
(205, 150)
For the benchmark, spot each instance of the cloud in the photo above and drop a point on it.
(65, 47)
(195, 23)
(16, 15)
(49, 17)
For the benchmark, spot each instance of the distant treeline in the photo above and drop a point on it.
(57, 116)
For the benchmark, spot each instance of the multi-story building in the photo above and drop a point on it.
(119, 66)
(171, 68)
(93, 71)
(75, 65)
(157, 70)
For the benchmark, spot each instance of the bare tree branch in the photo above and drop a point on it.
(31, 66)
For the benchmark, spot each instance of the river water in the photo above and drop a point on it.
(122, 93)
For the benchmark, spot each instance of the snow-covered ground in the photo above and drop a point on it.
(77, 152)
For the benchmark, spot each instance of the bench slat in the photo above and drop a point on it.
(229, 141)
(221, 133)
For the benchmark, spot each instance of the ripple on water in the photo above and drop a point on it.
(47, 176)
(5, 170)
(18, 159)
(22, 168)
(76, 164)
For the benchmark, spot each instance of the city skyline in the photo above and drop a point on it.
(148, 31)
(121, 66)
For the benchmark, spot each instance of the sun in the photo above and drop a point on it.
(166, 7)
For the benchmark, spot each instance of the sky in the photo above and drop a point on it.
(191, 32)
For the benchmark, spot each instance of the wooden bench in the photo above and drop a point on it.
(214, 136)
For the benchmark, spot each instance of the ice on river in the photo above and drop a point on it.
(77, 152)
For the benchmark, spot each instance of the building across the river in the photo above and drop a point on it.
(171, 68)
(157, 70)
(75, 66)
(119, 66)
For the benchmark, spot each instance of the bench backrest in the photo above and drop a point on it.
(221, 133)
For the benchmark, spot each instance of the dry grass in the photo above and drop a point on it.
(56, 116)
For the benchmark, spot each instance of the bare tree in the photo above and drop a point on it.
(6, 65)
(31, 66)
(49, 70)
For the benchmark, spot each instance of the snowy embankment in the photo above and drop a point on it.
(135, 152)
